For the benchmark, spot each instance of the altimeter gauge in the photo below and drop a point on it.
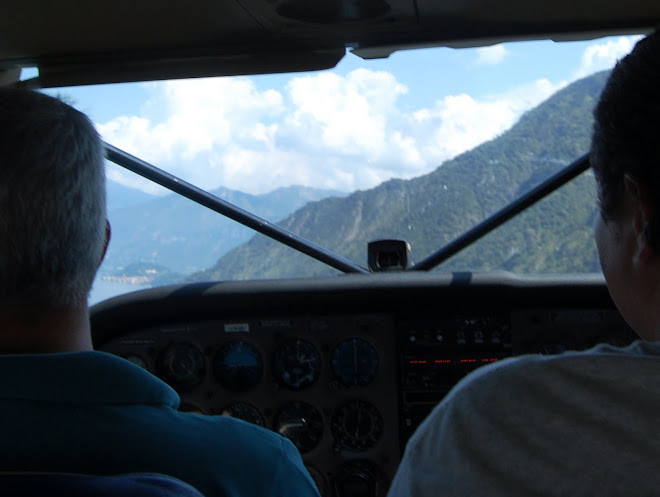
(296, 364)
(357, 426)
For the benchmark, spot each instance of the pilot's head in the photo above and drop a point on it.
(52, 202)
(625, 156)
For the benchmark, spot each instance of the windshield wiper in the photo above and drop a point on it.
(201, 197)
(516, 207)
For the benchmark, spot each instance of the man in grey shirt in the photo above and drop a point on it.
(577, 424)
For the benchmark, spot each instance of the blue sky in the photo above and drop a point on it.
(350, 128)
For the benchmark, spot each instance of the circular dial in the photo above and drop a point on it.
(181, 365)
(355, 361)
(301, 423)
(359, 479)
(238, 366)
(296, 364)
(357, 426)
(246, 412)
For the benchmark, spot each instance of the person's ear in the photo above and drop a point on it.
(108, 234)
(642, 213)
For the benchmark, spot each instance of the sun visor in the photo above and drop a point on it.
(153, 68)
(9, 76)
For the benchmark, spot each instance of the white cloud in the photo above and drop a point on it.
(459, 123)
(601, 56)
(463, 122)
(324, 130)
(492, 55)
(525, 96)
(227, 132)
(201, 116)
(127, 178)
(349, 113)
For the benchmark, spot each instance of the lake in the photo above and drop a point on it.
(103, 289)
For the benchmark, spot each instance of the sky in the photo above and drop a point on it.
(347, 129)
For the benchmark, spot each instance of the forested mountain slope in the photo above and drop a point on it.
(429, 211)
(172, 234)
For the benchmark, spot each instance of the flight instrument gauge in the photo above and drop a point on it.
(301, 423)
(246, 412)
(296, 364)
(181, 365)
(359, 479)
(357, 426)
(238, 366)
(355, 361)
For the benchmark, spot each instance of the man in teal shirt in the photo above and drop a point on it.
(63, 406)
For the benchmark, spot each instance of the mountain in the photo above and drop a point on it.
(171, 234)
(429, 211)
(122, 196)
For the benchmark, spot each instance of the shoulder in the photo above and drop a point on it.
(513, 424)
(264, 461)
(517, 395)
(236, 434)
(517, 376)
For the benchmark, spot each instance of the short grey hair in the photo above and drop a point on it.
(52, 201)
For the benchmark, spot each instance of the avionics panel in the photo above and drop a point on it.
(436, 353)
(352, 371)
(328, 383)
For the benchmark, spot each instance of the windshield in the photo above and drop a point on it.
(419, 147)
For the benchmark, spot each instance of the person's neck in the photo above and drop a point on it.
(41, 332)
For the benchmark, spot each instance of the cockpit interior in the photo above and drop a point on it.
(347, 361)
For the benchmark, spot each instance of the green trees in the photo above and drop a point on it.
(553, 236)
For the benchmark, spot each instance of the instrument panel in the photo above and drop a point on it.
(350, 376)
(328, 383)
